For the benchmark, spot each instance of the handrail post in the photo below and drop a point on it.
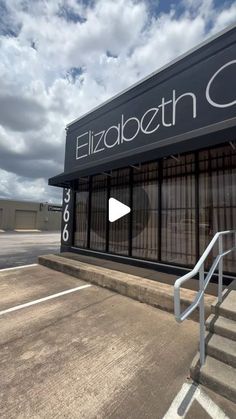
(202, 316)
(203, 282)
(220, 270)
(177, 303)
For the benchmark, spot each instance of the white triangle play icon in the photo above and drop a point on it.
(117, 209)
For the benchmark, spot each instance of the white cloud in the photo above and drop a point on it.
(24, 189)
(225, 18)
(60, 58)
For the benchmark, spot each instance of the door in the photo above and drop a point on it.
(25, 220)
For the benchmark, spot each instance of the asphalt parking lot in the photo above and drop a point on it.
(88, 354)
(17, 249)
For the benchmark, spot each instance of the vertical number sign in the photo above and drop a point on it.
(67, 217)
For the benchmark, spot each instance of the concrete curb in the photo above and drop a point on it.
(144, 290)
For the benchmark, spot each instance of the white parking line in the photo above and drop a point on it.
(209, 406)
(184, 399)
(41, 300)
(181, 402)
(18, 267)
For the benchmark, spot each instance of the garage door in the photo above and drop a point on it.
(1, 211)
(25, 220)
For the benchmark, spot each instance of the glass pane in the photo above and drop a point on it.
(119, 230)
(217, 186)
(178, 242)
(81, 214)
(98, 213)
(145, 212)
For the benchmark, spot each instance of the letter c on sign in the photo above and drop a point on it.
(219, 105)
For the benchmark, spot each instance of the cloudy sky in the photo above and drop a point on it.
(60, 58)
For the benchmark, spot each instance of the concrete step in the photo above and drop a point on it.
(221, 348)
(216, 375)
(221, 326)
(145, 290)
(228, 306)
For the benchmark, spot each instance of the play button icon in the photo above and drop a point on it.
(105, 211)
(117, 209)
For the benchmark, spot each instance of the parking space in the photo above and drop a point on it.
(88, 354)
(17, 249)
(21, 286)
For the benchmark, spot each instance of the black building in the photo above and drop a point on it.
(166, 147)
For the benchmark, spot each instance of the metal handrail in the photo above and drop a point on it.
(203, 283)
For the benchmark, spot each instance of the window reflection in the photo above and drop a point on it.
(119, 230)
(81, 214)
(145, 211)
(177, 179)
(217, 200)
(178, 240)
(98, 213)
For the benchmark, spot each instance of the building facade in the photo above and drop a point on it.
(24, 215)
(166, 147)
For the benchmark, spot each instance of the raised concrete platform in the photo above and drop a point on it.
(145, 290)
(148, 273)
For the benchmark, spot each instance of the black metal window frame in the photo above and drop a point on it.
(159, 260)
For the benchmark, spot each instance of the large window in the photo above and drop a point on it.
(98, 213)
(178, 218)
(145, 211)
(119, 230)
(81, 214)
(177, 205)
(217, 199)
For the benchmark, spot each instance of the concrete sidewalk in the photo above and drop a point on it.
(23, 248)
(93, 353)
(89, 354)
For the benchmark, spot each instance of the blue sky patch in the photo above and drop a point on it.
(69, 15)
